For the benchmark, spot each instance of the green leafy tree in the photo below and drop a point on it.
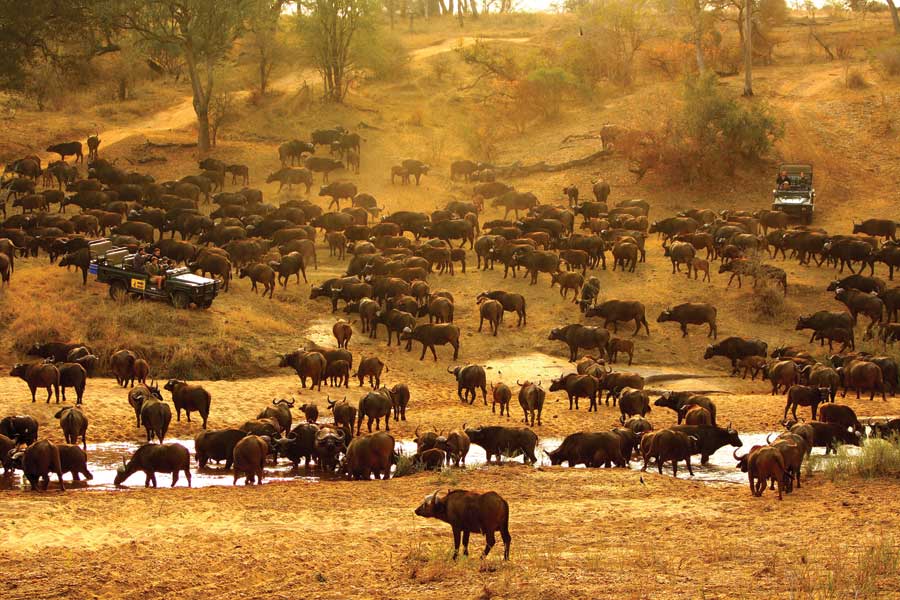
(203, 31)
(263, 38)
(329, 29)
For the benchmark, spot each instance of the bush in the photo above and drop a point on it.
(381, 53)
(887, 59)
(768, 299)
(709, 134)
(855, 80)
(546, 87)
(876, 458)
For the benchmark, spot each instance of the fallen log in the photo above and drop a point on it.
(150, 144)
(517, 169)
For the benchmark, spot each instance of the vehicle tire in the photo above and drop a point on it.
(180, 300)
(118, 290)
(206, 304)
(807, 218)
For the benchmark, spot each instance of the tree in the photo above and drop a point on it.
(892, 6)
(611, 32)
(700, 14)
(263, 38)
(748, 50)
(202, 30)
(329, 28)
(48, 33)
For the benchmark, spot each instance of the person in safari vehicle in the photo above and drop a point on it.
(156, 269)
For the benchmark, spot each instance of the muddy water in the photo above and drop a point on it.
(537, 366)
(105, 458)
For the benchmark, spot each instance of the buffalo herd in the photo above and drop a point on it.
(389, 261)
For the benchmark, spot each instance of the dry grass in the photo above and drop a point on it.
(846, 572)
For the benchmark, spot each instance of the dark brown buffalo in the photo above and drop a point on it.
(577, 386)
(155, 417)
(157, 458)
(374, 406)
(578, 336)
(250, 458)
(37, 461)
(370, 367)
(37, 375)
(217, 445)
(668, 445)
(456, 446)
(531, 399)
(22, 429)
(691, 313)
(589, 449)
(73, 459)
(400, 400)
(500, 394)
(306, 364)
(73, 424)
(344, 414)
(735, 348)
(504, 441)
(842, 415)
(614, 311)
(470, 512)
(369, 455)
(189, 398)
(511, 303)
(805, 395)
(434, 335)
(72, 375)
(469, 378)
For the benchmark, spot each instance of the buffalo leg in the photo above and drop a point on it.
(456, 536)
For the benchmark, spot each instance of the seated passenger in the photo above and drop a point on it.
(782, 179)
(139, 259)
(156, 272)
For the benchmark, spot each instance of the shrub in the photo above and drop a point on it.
(768, 299)
(855, 80)
(887, 59)
(441, 66)
(710, 133)
(546, 87)
(405, 466)
(381, 52)
(876, 458)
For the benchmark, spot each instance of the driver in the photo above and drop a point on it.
(803, 182)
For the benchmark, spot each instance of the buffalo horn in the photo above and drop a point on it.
(767, 438)
(735, 455)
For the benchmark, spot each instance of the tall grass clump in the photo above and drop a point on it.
(876, 458)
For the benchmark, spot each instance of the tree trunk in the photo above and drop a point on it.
(473, 7)
(203, 138)
(748, 51)
(200, 99)
(894, 17)
(698, 48)
(263, 75)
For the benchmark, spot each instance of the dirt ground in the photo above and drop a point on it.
(576, 533)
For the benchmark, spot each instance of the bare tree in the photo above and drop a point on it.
(748, 50)
(203, 31)
(329, 28)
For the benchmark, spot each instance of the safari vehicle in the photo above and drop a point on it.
(797, 197)
(115, 267)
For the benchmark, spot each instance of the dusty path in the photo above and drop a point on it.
(182, 114)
